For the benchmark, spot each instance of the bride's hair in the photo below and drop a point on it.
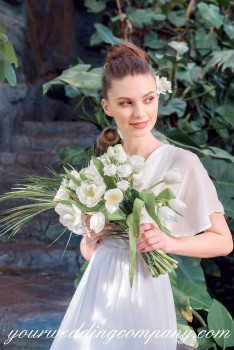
(124, 59)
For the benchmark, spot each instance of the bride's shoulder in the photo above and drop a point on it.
(184, 156)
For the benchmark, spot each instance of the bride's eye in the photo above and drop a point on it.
(150, 99)
(124, 103)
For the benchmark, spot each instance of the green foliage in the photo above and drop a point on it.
(7, 59)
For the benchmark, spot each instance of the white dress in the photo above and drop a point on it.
(105, 312)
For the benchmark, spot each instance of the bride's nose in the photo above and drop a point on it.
(139, 111)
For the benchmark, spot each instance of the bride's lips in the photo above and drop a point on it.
(140, 125)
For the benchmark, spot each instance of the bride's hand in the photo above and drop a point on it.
(153, 238)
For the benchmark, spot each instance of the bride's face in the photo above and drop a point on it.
(132, 100)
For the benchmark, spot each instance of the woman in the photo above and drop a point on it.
(110, 313)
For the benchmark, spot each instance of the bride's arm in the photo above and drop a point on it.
(215, 241)
(88, 246)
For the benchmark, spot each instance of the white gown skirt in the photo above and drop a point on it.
(106, 313)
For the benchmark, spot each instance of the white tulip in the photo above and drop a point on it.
(124, 170)
(137, 163)
(113, 197)
(118, 148)
(177, 205)
(93, 174)
(62, 194)
(121, 157)
(110, 169)
(172, 176)
(123, 185)
(90, 194)
(110, 152)
(97, 222)
(166, 215)
(69, 216)
(138, 181)
(71, 184)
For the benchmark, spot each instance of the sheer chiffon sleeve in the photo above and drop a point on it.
(199, 194)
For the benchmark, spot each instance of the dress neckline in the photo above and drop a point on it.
(154, 151)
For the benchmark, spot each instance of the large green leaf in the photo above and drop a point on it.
(205, 41)
(229, 30)
(186, 335)
(179, 46)
(152, 41)
(211, 14)
(95, 5)
(197, 293)
(190, 269)
(79, 77)
(175, 105)
(181, 300)
(226, 111)
(106, 34)
(222, 175)
(221, 323)
(177, 18)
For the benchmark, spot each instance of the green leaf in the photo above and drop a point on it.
(109, 180)
(190, 269)
(205, 41)
(222, 59)
(132, 247)
(179, 46)
(8, 52)
(106, 35)
(165, 194)
(118, 215)
(222, 176)
(187, 335)
(95, 5)
(198, 295)
(226, 111)
(2, 75)
(211, 14)
(141, 16)
(148, 198)
(229, 30)
(181, 300)
(221, 323)
(174, 105)
(72, 177)
(151, 40)
(9, 73)
(177, 18)
(137, 208)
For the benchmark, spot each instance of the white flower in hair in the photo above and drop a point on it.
(163, 85)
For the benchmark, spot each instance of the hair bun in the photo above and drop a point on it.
(125, 49)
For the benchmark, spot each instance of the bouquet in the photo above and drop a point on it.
(110, 190)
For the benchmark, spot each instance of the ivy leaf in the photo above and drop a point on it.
(175, 105)
(210, 14)
(180, 46)
(95, 5)
(106, 35)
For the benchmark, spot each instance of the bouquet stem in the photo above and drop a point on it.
(159, 262)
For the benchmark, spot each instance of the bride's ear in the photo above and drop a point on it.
(106, 107)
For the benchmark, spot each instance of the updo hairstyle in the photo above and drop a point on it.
(124, 59)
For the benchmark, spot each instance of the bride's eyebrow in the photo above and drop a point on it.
(129, 98)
